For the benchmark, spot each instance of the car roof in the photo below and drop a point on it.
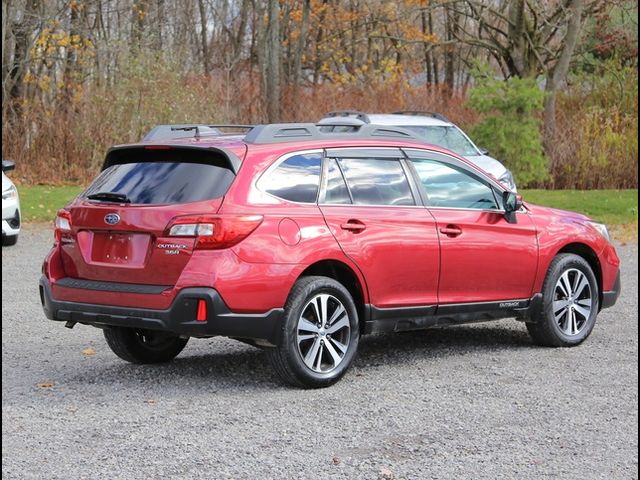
(235, 147)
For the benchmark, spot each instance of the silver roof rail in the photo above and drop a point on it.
(349, 113)
(421, 113)
(291, 132)
(196, 130)
(341, 122)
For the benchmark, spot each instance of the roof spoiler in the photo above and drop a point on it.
(162, 152)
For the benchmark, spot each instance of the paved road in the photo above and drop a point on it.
(467, 402)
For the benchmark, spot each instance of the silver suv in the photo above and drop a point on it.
(432, 128)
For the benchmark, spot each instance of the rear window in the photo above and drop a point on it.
(163, 182)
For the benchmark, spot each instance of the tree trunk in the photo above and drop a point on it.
(272, 61)
(427, 54)
(22, 33)
(436, 73)
(297, 63)
(206, 64)
(450, 50)
(558, 74)
(72, 72)
(140, 12)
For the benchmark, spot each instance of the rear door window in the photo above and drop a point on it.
(376, 181)
(163, 182)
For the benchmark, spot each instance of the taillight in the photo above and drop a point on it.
(213, 232)
(62, 224)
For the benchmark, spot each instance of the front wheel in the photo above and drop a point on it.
(570, 303)
(143, 346)
(320, 333)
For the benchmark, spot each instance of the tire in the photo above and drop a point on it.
(566, 319)
(9, 240)
(143, 346)
(309, 356)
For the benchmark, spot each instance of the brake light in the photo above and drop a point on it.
(214, 232)
(62, 224)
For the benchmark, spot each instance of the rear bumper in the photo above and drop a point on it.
(610, 298)
(179, 318)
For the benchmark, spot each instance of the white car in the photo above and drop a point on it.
(10, 207)
(432, 128)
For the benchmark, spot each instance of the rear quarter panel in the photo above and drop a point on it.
(291, 237)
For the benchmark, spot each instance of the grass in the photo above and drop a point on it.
(616, 208)
(40, 203)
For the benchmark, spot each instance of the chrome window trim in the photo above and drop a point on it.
(383, 153)
(368, 205)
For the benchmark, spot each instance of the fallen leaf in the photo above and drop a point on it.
(386, 474)
(45, 385)
(88, 352)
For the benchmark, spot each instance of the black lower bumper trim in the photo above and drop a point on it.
(610, 298)
(179, 318)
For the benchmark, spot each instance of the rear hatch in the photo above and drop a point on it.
(119, 225)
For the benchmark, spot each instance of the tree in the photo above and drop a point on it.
(527, 39)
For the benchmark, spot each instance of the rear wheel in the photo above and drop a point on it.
(320, 334)
(143, 346)
(570, 303)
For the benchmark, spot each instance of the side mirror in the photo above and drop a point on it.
(512, 203)
(8, 165)
(483, 151)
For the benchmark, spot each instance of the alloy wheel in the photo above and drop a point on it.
(323, 333)
(572, 302)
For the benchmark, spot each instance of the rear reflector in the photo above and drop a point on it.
(201, 315)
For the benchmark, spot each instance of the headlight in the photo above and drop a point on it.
(507, 180)
(602, 229)
(10, 193)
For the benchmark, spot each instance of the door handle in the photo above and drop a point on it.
(355, 226)
(451, 231)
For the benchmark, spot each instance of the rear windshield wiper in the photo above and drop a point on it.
(110, 197)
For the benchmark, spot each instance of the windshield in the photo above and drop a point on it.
(445, 136)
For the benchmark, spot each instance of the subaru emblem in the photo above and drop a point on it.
(112, 218)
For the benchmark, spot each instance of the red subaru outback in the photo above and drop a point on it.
(300, 241)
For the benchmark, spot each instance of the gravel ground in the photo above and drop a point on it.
(465, 402)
